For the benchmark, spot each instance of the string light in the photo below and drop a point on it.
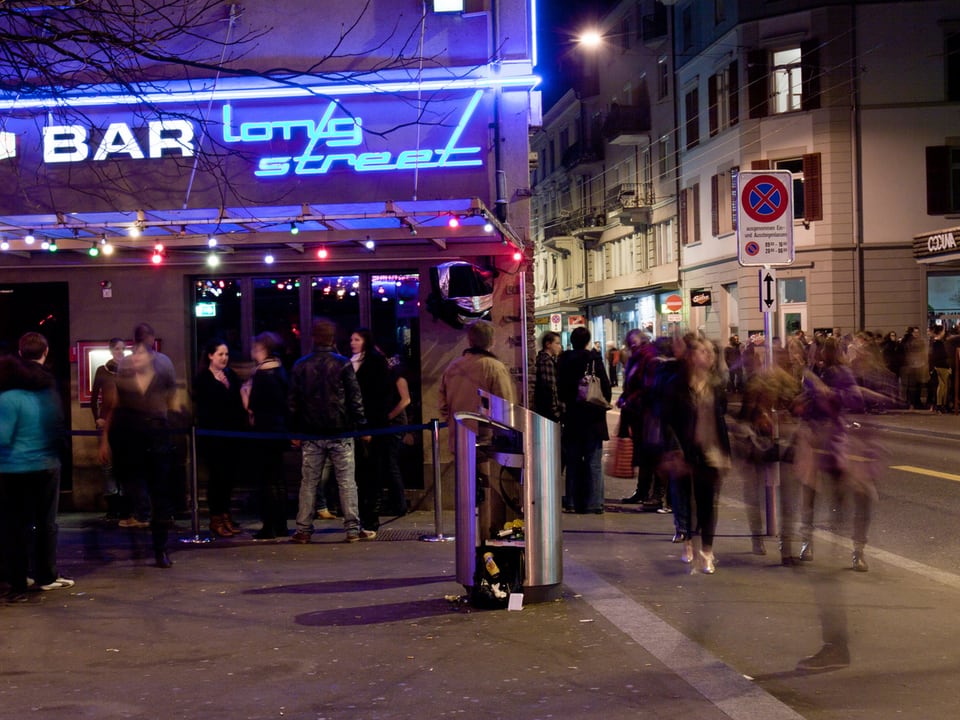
(29, 238)
(52, 246)
(211, 242)
(323, 253)
(454, 221)
(157, 256)
(4, 245)
(268, 258)
(294, 230)
(94, 251)
(134, 231)
(213, 260)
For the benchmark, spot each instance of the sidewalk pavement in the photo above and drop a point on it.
(243, 629)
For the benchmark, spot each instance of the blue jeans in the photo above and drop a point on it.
(316, 453)
(584, 481)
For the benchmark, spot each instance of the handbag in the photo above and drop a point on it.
(590, 390)
(619, 461)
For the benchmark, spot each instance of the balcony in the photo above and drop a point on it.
(627, 125)
(629, 203)
(582, 154)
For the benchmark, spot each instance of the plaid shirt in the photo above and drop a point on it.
(545, 399)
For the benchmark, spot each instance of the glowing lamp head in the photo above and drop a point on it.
(268, 259)
(517, 255)
(29, 238)
(453, 222)
(323, 254)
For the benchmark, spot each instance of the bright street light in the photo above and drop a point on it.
(590, 39)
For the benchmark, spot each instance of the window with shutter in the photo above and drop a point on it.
(758, 89)
(684, 220)
(943, 180)
(733, 92)
(715, 205)
(692, 117)
(695, 212)
(713, 109)
(812, 193)
(810, 74)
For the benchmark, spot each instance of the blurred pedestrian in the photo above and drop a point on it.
(695, 431)
(822, 452)
(103, 382)
(394, 497)
(613, 363)
(138, 437)
(639, 417)
(732, 357)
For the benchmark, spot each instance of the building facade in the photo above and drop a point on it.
(604, 185)
(858, 102)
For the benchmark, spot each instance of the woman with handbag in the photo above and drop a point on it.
(583, 423)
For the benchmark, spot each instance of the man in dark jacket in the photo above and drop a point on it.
(545, 399)
(325, 400)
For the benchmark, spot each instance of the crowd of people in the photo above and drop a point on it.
(683, 442)
(244, 427)
(673, 409)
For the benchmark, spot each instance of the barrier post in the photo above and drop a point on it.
(438, 535)
(196, 539)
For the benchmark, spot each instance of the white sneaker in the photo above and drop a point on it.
(59, 584)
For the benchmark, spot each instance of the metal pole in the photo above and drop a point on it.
(194, 501)
(438, 536)
(772, 470)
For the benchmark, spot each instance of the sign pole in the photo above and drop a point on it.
(772, 470)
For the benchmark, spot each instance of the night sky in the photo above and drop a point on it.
(560, 22)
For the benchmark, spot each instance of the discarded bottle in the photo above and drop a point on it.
(492, 570)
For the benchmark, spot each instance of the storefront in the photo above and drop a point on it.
(939, 254)
(231, 205)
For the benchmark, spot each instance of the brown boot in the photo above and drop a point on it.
(228, 522)
(218, 527)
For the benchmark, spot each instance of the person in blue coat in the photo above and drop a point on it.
(31, 431)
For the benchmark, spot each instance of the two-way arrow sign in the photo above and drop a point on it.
(768, 290)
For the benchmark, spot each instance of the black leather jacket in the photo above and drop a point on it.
(324, 394)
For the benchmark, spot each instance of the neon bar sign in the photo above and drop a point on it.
(330, 143)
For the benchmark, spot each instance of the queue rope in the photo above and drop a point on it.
(194, 432)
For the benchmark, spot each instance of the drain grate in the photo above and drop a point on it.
(399, 534)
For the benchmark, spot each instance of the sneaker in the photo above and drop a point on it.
(132, 522)
(300, 537)
(325, 514)
(830, 657)
(15, 598)
(60, 583)
(360, 535)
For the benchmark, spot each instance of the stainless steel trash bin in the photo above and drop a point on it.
(525, 447)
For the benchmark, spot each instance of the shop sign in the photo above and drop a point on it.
(318, 140)
(701, 298)
(575, 321)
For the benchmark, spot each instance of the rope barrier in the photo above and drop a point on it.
(194, 432)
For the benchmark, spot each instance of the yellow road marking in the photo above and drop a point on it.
(925, 471)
